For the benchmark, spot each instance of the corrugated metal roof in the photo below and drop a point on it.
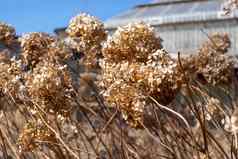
(180, 11)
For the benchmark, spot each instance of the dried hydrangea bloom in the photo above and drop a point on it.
(212, 61)
(7, 34)
(158, 74)
(34, 47)
(218, 43)
(128, 100)
(126, 84)
(33, 135)
(111, 72)
(86, 35)
(219, 70)
(5, 76)
(230, 5)
(59, 52)
(211, 64)
(10, 80)
(120, 92)
(50, 86)
(133, 42)
(87, 28)
(163, 79)
(15, 83)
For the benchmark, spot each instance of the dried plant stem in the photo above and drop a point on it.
(56, 134)
(172, 111)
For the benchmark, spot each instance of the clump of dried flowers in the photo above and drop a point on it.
(230, 5)
(11, 82)
(86, 33)
(135, 67)
(59, 52)
(133, 42)
(212, 64)
(34, 47)
(34, 134)
(7, 34)
(50, 87)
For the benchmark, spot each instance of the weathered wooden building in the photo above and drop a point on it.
(182, 24)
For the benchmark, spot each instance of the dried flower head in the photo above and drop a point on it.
(10, 82)
(211, 64)
(86, 35)
(50, 86)
(162, 77)
(127, 85)
(230, 5)
(33, 135)
(128, 100)
(87, 28)
(152, 76)
(7, 34)
(212, 61)
(218, 43)
(34, 47)
(133, 42)
(59, 52)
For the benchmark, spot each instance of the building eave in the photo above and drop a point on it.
(170, 20)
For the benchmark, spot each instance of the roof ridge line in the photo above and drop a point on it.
(165, 2)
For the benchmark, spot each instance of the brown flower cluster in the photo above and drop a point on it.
(133, 42)
(59, 52)
(50, 87)
(7, 34)
(40, 76)
(230, 5)
(212, 63)
(86, 33)
(34, 134)
(34, 47)
(135, 67)
(10, 83)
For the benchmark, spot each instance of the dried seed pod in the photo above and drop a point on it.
(7, 34)
(34, 47)
(33, 135)
(133, 42)
(50, 86)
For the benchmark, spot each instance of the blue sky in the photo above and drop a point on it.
(45, 15)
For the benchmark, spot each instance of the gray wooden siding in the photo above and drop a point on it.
(187, 38)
